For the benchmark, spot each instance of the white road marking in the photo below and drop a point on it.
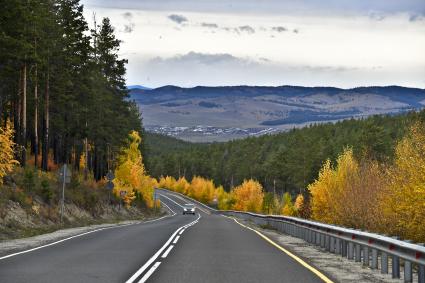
(174, 213)
(159, 252)
(153, 220)
(164, 255)
(63, 240)
(171, 200)
(80, 235)
(176, 239)
(181, 232)
(150, 272)
(198, 202)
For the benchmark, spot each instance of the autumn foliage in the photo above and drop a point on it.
(403, 203)
(248, 196)
(130, 174)
(348, 194)
(7, 146)
(385, 198)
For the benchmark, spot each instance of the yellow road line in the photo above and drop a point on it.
(299, 260)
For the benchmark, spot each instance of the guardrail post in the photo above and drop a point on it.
(350, 250)
(317, 238)
(344, 248)
(322, 240)
(332, 244)
(337, 246)
(421, 270)
(421, 273)
(366, 256)
(327, 243)
(384, 263)
(408, 273)
(395, 267)
(374, 264)
(358, 253)
(395, 264)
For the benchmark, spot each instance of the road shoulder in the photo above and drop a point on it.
(338, 268)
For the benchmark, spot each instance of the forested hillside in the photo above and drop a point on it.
(62, 86)
(63, 100)
(285, 162)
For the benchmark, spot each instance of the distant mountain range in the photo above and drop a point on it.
(222, 113)
(130, 87)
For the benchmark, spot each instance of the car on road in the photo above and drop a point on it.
(189, 208)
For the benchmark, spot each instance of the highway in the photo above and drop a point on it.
(177, 248)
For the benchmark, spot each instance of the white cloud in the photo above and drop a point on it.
(212, 48)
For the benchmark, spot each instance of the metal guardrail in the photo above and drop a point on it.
(371, 249)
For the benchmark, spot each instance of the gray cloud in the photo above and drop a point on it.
(203, 59)
(247, 29)
(295, 31)
(127, 15)
(416, 17)
(195, 68)
(209, 25)
(279, 29)
(177, 18)
(128, 27)
(377, 16)
(225, 59)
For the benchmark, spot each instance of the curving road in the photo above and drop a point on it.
(178, 248)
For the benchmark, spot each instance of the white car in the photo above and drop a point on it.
(188, 208)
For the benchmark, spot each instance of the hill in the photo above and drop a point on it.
(223, 113)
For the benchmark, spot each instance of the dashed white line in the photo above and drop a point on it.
(164, 255)
(181, 232)
(159, 252)
(150, 272)
(176, 239)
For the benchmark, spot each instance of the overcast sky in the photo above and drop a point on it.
(343, 43)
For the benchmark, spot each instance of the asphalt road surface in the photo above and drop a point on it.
(197, 248)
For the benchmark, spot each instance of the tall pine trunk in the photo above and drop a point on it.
(36, 117)
(45, 155)
(24, 115)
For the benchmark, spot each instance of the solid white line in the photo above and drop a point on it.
(79, 235)
(157, 254)
(153, 220)
(164, 255)
(176, 239)
(63, 240)
(171, 200)
(150, 272)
